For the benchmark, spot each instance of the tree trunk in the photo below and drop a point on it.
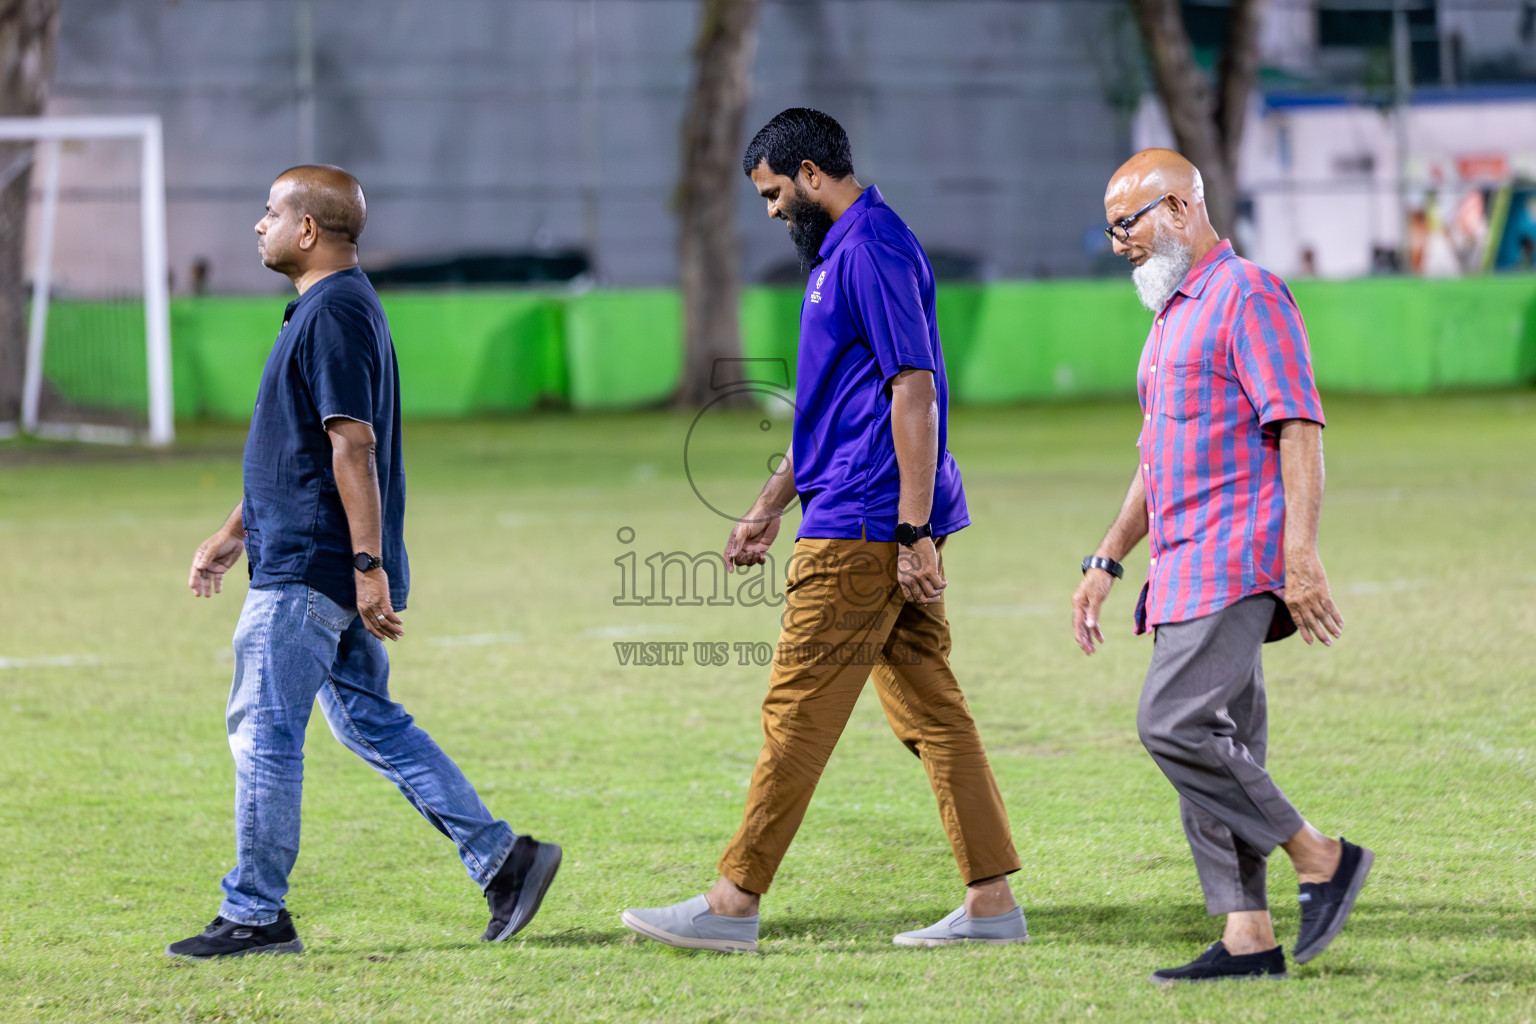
(28, 31)
(708, 260)
(1207, 122)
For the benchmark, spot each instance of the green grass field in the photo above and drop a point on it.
(1415, 735)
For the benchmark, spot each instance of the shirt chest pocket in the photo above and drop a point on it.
(1185, 389)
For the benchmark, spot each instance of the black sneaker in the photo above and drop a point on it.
(230, 938)
(517, 890)
(1216, 964)
(1325, 906)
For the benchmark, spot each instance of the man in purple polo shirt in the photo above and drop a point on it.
(880, 493)
(1229, 488)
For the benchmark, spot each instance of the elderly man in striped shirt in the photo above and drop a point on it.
(1228, 492)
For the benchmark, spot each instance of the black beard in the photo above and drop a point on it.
(808, 227)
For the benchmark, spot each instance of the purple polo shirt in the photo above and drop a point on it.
(868, 313)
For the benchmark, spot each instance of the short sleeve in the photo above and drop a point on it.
(339, 361)
(885, 300)
(1270, 359)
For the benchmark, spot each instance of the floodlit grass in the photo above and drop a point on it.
(1415, 736)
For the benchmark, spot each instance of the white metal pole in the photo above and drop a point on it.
(305, 80)
(591, 148)
(157, 313)
(42, 282)
(1402, 89)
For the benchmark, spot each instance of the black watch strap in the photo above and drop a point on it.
(907, 534)
(1109, 565)
(362, 561)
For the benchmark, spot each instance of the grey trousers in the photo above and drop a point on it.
(1204, 720)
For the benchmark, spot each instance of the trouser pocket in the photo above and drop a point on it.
(328, 613)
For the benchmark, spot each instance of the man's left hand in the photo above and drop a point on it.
(373, 605)
(917, 570)
(1306, 595)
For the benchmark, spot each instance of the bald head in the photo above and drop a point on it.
(1155, 206)
(328, 194)
(1154, 172)
(1164, 196)
(314, 215)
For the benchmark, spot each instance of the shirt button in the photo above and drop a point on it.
(1159, 321)
(1153, 370)
(1148, 417)
(1154, 559)
(1146, 465)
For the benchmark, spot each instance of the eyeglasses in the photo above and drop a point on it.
(1121, 229)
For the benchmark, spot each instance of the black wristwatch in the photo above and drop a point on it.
(364, 562)
(907, 534)
(1109, 565)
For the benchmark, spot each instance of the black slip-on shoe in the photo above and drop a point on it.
(231, 938)
(1325, 906)
(517, 890)
(1216, 964)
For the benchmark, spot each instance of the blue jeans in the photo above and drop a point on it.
(292, 644)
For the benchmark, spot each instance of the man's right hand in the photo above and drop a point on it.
(751, 537)
(1086, 603)
(215, 556)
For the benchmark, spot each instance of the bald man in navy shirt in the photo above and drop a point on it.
(322, 524)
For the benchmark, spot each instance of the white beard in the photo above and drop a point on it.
(1163, 272)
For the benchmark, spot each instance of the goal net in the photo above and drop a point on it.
(97, 321)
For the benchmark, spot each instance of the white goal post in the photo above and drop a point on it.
(49, 133)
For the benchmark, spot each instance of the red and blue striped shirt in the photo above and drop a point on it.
(1225, 363)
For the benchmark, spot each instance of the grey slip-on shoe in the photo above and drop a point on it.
(691, 925)
(957, 927)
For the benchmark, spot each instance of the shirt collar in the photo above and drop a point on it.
(318, 287)
(1194, 281)
(840, 228)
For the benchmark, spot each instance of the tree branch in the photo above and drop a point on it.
(28, 35)
(1236, 74)
(708, 249)
(1207, 124)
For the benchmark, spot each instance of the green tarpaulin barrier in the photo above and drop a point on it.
(475, 351)
(623, 349)
(1063, 339)
(1405, 336)
(481, 352)
(770, 325)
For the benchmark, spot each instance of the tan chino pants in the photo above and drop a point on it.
(846, 620)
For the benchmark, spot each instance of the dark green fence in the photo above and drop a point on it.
(468, 352)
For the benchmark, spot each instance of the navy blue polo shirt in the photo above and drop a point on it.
(332, 358)
(868, 313)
